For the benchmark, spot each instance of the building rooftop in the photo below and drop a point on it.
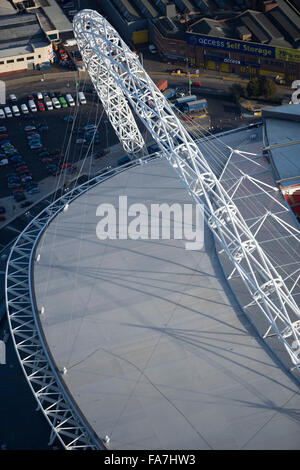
(18, 32)
(263, 28)
(210, 27)
(282, 125)
(52, 16)
(6, 8)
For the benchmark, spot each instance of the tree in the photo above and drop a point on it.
(237, 91)
(261, 87)
(253, 87)
(268, 88)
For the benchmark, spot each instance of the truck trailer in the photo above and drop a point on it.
(185, 99)
(169, 93)
(198, 105)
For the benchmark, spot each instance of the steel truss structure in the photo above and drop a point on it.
(106, 55)
(45, 381)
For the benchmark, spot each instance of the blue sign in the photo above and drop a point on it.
(231, 45)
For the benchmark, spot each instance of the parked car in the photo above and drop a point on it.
(16, 158)
(3, 162)
(16, 111)
(8, 112)
(34, 136)
(70, 99)
(25, 179)
(24, 108)
(36, 145)
(49, 104)
(13, 98)
(63, 102)
(80, 141)
(33, 190)
(56, 103)
(152, 49)
(66, 165)
(3, 136)
(2, 114)
(3, 129)
(43, 154)
(26, 204)
(89, 127)
(32, 106)
(2, 218)
(81, 97)
(29, 128)
(19, 197)
(40, 106)
(21, 168)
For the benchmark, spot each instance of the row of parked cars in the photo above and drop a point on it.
(87, 134)
(40, 101)
(20, 180)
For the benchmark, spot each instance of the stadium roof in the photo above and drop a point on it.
(157, 351)
(282, 125)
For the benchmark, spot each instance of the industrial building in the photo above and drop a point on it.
(29, 32)
(23, 44)
(248, 38)
(51, 17)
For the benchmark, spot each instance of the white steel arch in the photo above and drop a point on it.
(116, 107)
(97, 39)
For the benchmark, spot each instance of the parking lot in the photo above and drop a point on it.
(62, 143)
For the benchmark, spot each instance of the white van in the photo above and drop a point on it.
(2, 114)
(49, 104)
(70, 100)
(32, 106)
(15, 110)
(8, 112)
(56, 103)
(81, 97)
(13, 98)
(24, 109)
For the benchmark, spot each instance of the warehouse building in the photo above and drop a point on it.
(250, 44)
(216, 34)
(23, 44)
(51, 17)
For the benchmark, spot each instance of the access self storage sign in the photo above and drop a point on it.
(231, 45)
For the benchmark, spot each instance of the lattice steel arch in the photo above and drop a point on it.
(45, 381)
(102, 46)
